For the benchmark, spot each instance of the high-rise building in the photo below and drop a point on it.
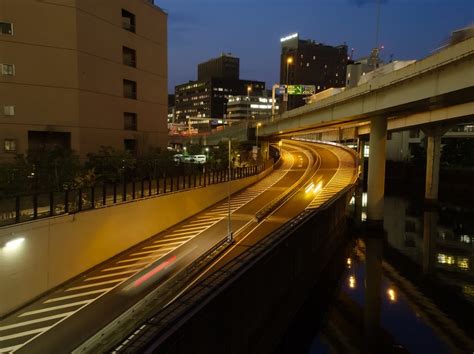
(207, 97)
(251, 107)
(81, 74)
(224, 67)
(307, 62)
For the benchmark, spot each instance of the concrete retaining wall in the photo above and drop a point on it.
(57, 249)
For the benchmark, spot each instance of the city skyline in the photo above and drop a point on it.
(202, 30)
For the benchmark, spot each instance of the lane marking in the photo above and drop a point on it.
(109, 275)
(96, 284)
(157, 251)
(61, 298)
(24, 334)
(136, 259)
(42, 319)
(53, 308)
(10, 349)
(126, 266)
(179, 234)
(165, 243)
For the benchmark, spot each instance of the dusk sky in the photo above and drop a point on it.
(251, 30)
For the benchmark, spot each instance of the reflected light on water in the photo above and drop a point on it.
(352, 282)
(392, 295)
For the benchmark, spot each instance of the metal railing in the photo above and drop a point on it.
(24, 208)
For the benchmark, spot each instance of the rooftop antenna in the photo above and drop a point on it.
(374, 55)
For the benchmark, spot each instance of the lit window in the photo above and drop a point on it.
(8, 69)
(6, 28)
(9, 110)
(9, 145)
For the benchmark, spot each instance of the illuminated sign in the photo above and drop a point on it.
(287, 38)
(296, 90)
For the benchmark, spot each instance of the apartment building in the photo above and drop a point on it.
(80, 74)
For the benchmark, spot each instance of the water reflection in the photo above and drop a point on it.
(396, 282)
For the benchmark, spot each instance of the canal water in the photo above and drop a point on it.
(407, 289)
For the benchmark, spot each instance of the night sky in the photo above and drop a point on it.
(251, 29)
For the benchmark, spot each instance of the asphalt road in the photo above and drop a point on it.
(65, 318)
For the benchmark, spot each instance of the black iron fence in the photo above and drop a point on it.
(23, 208)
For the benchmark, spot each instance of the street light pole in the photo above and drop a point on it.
(273, 100)
(289, 61)
(256, 137)
(230, 237)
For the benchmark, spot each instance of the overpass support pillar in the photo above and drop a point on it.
(265, 149)
(433, 155)
(360, 153)
(376, 175)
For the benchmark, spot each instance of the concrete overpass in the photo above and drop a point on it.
(431, 94)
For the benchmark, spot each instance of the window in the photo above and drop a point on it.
(129, 57)
(128, 21)
(6, 28)
(9, 145)
(130, 89)
(8, 69)
(130, 145)
(129, 121)
(8, 110)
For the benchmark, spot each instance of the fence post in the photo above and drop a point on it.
(51, 203)
(93, 197)
(133, 189)
(149, 186)
(171, 183)
(79, 203)
(35, 206)
(194, 176)
(17, 209)
(124, 194)
(104, 194)
(66, 201)
(143, 187)
(115, 192)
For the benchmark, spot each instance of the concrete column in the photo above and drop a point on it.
(358, 205)
(376, 178)
(360, 150)
(264, 149)
(433, 154)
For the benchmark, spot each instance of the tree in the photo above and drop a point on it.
(110, 165)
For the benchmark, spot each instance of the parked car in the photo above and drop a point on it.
(177, 157)
(199, 158)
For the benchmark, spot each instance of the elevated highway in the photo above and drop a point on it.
(90, 306)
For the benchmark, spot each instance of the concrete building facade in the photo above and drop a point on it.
(81, 74)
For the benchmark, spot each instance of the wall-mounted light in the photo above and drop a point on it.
(13, 244)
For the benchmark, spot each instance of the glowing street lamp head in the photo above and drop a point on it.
(249, 88)
(259, 124)
(289, 60)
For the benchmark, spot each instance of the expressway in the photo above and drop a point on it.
(65, 318)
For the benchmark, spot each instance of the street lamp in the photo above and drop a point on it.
(230, 237)
(256, 136)
(249, 89)
(207, 153)
(289, 61)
